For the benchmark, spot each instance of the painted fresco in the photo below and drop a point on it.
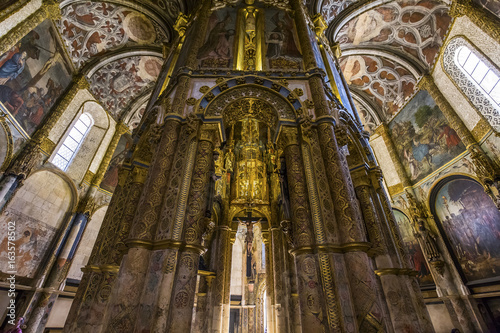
(282, 47)
(32, 239)
(471, 222)
(385, 82)
(217, 51)
(423, 138)
(118, 83)
(110, 180)
(33, 75)
(414, 250)
(417, 28)
(331, 8)
(92, 28)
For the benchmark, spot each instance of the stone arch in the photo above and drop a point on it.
(39, 211)
(92, 67)
(284, 102)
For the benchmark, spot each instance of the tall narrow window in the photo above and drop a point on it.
(475, 76)
(479, 73)
(73, 141)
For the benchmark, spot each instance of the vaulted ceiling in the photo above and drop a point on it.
(118, 45)
(386, 47)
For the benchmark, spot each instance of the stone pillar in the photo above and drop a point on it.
(195, 224)
(487, 171)
(30, 157)
(101, 272)
(365, 292)
(48, 10)
(278, 267)
(86, 293)
(406, 312)
(311, 298)
(479, 15)
(269, 283)
(223, 260)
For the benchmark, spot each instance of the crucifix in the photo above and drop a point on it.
(249, 221)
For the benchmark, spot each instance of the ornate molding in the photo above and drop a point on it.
(478, 15)
(468, 89)
(48, 10)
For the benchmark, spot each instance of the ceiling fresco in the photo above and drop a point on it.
(90, 29)
(118, 83)
(331, 8)
(414, 28)
(386, 83)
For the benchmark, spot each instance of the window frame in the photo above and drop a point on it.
(472, 92)
(67, 136)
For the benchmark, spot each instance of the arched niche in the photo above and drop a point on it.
(415, 253)
(86, 244)
(469, 222)
(281, 103)
(38, 210)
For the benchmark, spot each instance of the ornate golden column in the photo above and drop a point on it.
(311, 298)
(48, 10)
(196, 221)
(486, 170)
(101, 271)
(480, 16)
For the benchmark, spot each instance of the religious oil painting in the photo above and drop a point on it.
(470, 220)
(424, 139)
(33, 75)
(217, 50)
(414, 250)
(282, 47)
(110, 180)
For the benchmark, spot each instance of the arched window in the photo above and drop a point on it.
(475, 76)
(73, 141)
(478, 72)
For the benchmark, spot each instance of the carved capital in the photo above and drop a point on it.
(139, 175)
(181, 24)
(289, 136)
(26, 162)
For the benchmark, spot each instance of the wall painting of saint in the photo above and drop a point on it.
(282, 47)
(33, 75)
(217, 51)
(471, 223)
